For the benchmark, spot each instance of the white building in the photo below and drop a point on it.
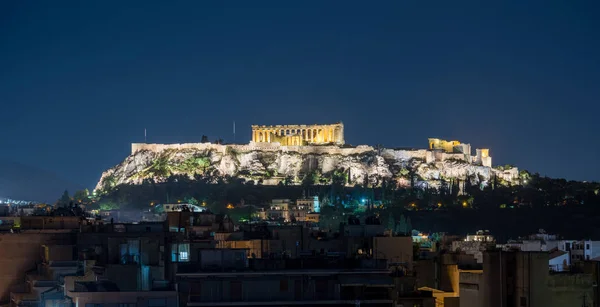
(311, 203)
(559, 261)
(474, 244)
(289, 211)
(481, 236)
(580, 250)
(562, 252)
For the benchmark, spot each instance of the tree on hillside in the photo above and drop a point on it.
(204, 139)
(401, 228)
(64, 200)
(391, 222)
(81, 196)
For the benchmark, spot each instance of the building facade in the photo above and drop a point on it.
(297, 135)
(482, 156)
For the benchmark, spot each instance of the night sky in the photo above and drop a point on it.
(80, 80)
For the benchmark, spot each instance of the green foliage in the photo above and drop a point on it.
(160, 168)
(109, 183)
(190, 200)
(108, 205)
(270, 173)
(65, 199)
(524, 176)
(404, 172)
(195, 165)
(339, 176)
(311, 178)
(329, 218)
(81, 196)
(504, 167)
(391, 222)
(402, 226)
(243, 213)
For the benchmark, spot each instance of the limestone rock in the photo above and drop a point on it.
(273, 164)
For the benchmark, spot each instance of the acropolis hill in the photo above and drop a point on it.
(291, 153)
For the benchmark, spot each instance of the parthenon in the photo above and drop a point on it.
(298, 135)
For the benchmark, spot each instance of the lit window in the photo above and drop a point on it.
(180, 252)
(183, 256)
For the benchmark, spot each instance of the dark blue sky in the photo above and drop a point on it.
(80, 80)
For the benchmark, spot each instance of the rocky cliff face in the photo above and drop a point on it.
(294, 165)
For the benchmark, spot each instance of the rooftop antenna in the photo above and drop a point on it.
(145, 136)
(234, 132)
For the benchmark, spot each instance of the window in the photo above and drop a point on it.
(180, 252)
(587, 246)
(130, 251)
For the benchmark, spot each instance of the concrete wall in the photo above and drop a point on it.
(21, 252)
(515, 279)
(531, 278)
(449, 278)
(425, 271)
(470, 285)
(58, 252)
(570, 289)
(405, 155)
(135, 147)
(50, 222)
(394, 249)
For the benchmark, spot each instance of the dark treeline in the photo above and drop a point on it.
(569, 208)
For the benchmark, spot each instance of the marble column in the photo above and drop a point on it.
(331, 139)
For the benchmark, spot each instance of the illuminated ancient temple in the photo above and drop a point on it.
(298, 135)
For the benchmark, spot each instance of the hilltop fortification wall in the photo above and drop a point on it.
(408, 154)
(273, 147)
